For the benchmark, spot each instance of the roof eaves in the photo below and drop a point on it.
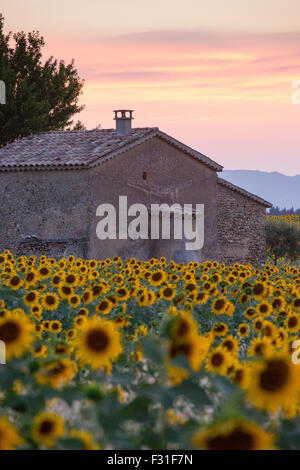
(42, 167)
(245, 193)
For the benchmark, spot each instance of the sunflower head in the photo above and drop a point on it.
(98, 342)
(47, 427)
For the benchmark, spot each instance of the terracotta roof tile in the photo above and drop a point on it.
(66, 148)
(81, 149)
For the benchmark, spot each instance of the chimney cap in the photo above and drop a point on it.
(124, 114)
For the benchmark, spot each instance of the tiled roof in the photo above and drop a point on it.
(81, 149)
(242, 191)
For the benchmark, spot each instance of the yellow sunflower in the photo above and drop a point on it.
(219, 360)
(50, 301)
(31, 298)
(260, 347)
(296, 304)
(16, 331)
(264, 309)
(15, 282)
(243, 330)
(194, 348)
(98, 342)
(292, 323)
(157, 278)
(86, 438)
(74, 300)
(55, 326)
(104, 307)
(65, 291)
(219, 305)
(274, 382)
(47, 427)
(57, 373)
(238, 434)
(219, 329)
(183, 327)
(231, 344)
(167, 292)
(9, 436)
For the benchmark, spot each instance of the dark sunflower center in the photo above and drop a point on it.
(219, 304)
(190, 287)
(97, 340)
(58, 369)
(258, 289)
(217, 359)
(292, 322)
(46, 427)
(276, 303)
(31, 297)
(157, 277)
(259, 348)
(168, 292)
(9, 331)
(250, 312)
(219, 328)
(263, 308)
(44, 271)
(15, 280)
(103, 305)
(184, 349)
(97, 290)
(183, 328)
(228, 345)
(238, 376)
(50, 300)
(66, 290)
(267, 331)
(238, 439)
(275, 376)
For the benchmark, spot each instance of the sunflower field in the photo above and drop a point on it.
(148, 355)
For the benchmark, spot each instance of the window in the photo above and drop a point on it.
(144, 175)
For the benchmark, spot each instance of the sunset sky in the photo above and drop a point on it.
(214, 74)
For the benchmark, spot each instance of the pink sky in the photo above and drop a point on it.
(217, 77)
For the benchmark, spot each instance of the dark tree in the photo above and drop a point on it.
(283, 239)
(277, 211)
(40, 95)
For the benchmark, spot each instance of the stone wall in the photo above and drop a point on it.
(45, 212)
(154, 172)
(54, 211)
(240, 228)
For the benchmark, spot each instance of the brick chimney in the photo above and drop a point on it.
(123, 118)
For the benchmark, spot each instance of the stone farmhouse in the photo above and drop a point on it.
(53, 182)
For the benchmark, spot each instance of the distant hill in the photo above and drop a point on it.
(280, 190)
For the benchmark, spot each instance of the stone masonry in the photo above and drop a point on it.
(52, 184)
